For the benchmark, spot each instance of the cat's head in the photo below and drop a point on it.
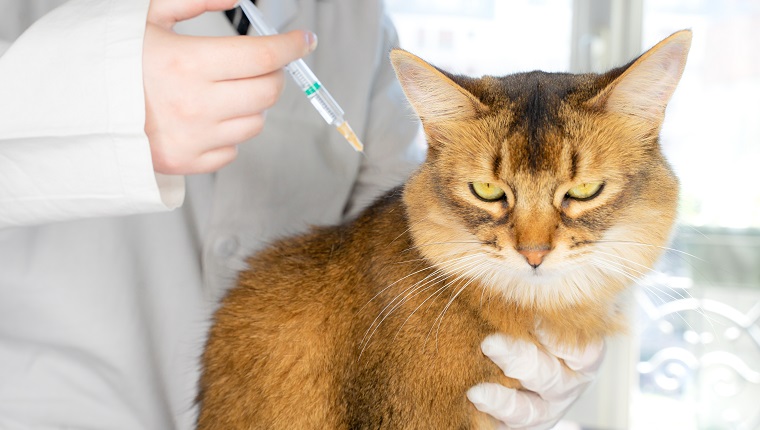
(550, 188)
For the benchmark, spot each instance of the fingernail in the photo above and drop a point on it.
(494, 345)
(311, 40)
(476, 396)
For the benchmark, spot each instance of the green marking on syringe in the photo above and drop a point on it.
(312, 89)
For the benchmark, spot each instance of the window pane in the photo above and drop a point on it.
(700, 317)
(492, 37)
(712, 130)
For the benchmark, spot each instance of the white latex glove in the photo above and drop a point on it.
(549, 387)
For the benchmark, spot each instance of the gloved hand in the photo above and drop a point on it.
(549, 387)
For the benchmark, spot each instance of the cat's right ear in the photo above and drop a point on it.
(433, 95)
(643, 90)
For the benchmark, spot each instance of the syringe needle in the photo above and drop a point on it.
(350, 136)
(317, 94)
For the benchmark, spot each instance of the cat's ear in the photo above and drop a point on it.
(433, 95)
(645, 87)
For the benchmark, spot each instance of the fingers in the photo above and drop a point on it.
(202, 149)
(236, 130)
(214, 160)
(537, 370)
(523, 361)
(209, 161)
(227, 58)
(587, 360)
(244, 97)
(518, 409)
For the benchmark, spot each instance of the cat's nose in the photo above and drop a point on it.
(534, 256)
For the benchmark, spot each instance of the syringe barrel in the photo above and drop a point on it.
(304, 77)
(317, 94)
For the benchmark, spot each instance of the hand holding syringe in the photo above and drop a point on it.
(304, 77)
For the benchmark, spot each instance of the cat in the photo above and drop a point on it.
(542, 196)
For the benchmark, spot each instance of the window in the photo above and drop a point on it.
(700, 322)
(480, 37)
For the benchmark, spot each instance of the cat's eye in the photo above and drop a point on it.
(585, 191)
(487, 191)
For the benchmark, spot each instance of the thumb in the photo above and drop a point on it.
(166, 13)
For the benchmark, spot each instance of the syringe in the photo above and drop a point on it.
(306, 80)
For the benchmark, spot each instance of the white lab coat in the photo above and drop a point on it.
(106, 293)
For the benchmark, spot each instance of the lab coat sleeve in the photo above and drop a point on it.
(393, 148)
(72, 114)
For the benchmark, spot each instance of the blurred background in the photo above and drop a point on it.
(692, 360)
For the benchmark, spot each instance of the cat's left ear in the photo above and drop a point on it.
(644, 89)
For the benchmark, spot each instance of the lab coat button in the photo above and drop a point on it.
(226, 247)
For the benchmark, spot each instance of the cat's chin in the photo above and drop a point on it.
(549, 284)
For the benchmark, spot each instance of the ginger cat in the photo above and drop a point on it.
(541, 197)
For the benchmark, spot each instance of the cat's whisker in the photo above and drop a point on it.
(483, 294)
(457, 252)
(656, 289)
(627, 260)
(470, 281)
(696, 230)
(384, 313)
(678, 253)
(396, 282)
(437, 292)
(636, 276)
(642, 274)
(664, 248)
(418, 288)
(442, 275)
(491, 290)
(611, 266)
(390, 286)
(620, 269)
(411, 224)
(454, 265)
(614, 267)
(421, 285)
(662, 289)
(402, 234)
(448, 242)
(412, 260)
(463, 275)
